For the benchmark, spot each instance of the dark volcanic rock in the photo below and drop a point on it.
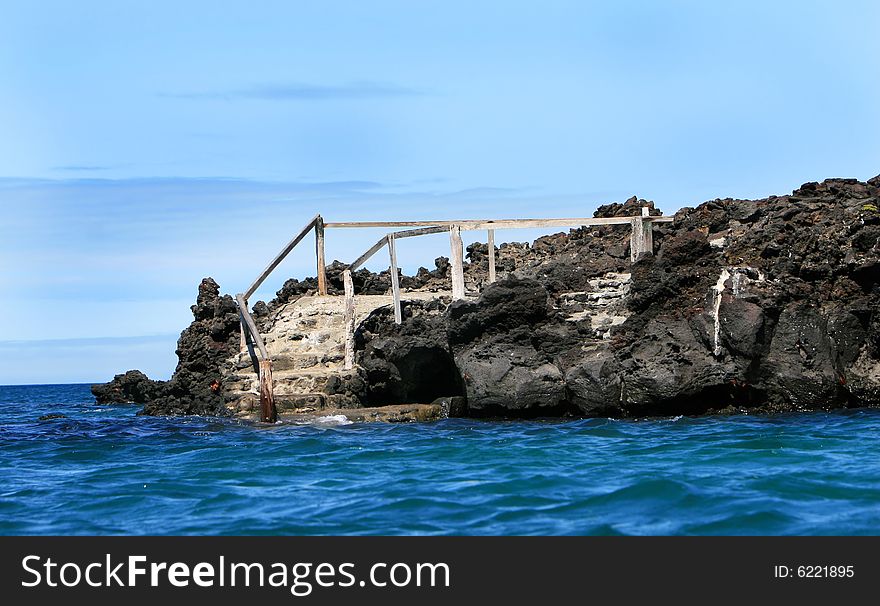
(743, 330)
(682, 248)
(800, 367)
(748, 305)
(408, 363)
(132, 387)
(671, 370)
(511, 306)
(506, 378)
(631, 208)
(504, 367)
(195, 387)
(349, 389)
(595, 385)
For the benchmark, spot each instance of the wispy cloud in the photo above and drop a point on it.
(300, 91)
(87, 341)
(82, 167)
(491, 192)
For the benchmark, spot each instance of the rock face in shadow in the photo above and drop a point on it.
(411, 362)
(499, 350)
(747, 305)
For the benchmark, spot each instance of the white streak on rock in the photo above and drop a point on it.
(737, 282)
(719, 289)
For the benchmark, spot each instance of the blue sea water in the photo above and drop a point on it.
(104, 470)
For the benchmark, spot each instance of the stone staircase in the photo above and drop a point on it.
(305, 340)
(604, 305)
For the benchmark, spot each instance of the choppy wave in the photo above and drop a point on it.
(105, 470)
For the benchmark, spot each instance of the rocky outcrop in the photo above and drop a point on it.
(195, 387)
(746, 305)
(132, 387)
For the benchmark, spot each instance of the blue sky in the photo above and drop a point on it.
(144, 146)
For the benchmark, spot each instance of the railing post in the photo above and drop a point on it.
(242, 346)
(395, 281)
(457, 261)
(268, 414)
(491, 256)
(642, 237)
(349, 319)
(648, 231)
(319, 254)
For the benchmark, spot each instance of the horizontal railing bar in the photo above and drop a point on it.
(409, 233)
(526, 223)
(280, 257)
(503, 223)
(338, 224)
(251, 325)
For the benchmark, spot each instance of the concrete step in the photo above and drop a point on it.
(305, 340)
(604, 306)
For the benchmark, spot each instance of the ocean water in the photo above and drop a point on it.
(103, 470)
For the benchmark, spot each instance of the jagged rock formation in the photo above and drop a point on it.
(761, 305)
(132, 387)
(195, 387)
(747, 305)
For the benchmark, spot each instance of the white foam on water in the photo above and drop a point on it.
(333, 420)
